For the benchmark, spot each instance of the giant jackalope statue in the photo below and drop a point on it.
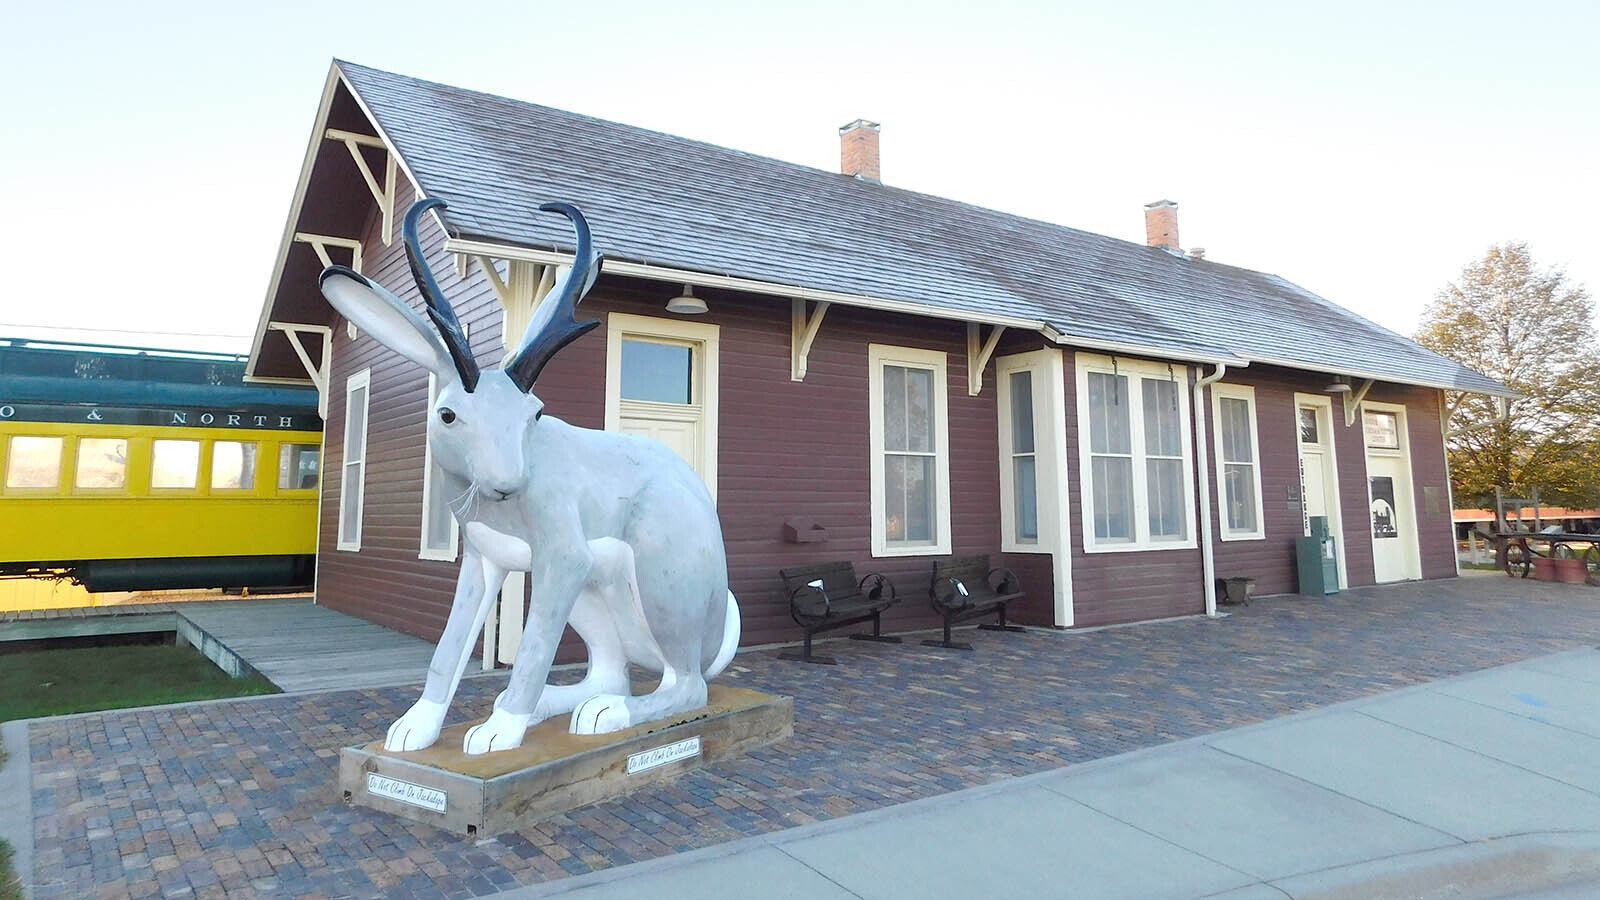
(619, 535)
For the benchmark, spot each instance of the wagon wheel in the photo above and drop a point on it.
(1591, 562)
(1517, 559)
(1563, 551)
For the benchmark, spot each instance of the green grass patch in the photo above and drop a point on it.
(84, 679)
(10, 884)
(1481, 567)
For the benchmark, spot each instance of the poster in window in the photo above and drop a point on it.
(1383, 523)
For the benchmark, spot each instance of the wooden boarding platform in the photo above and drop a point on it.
(294, 643)
(555, 771)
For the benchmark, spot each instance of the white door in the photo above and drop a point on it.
(1391, 507)
(1319, 470)
(661, 383)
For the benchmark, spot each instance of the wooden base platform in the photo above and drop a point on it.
(555, 771)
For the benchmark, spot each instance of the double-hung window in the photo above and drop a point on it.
(1028, 392)
(1136, 456)
(1233, 410)
(352, 486)
(910, 452)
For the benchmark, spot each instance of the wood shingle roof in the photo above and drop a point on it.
(666, 201)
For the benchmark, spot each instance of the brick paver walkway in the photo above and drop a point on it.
(239, 798)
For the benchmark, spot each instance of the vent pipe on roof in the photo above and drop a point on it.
(1161, 225)
(858, 150)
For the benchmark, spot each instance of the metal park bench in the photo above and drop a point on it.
(965, 588)
(825, 596)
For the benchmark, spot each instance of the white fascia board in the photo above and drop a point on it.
(290, 226)
(272, 379)
(318, 136)
(1126, 349)
(1365, 375)
(669, 275)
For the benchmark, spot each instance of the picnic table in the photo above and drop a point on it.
(1515, 551)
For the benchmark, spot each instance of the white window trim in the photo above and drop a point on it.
(879, 356)
(361, 379)
(707, 337)
(425, 551)
(1220, 392)
(1134, 369)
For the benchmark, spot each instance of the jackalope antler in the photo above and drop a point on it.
(618, 534)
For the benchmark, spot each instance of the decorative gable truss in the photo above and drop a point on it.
(384, 194)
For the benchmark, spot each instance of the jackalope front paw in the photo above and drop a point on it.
(501, 731)
(417, 729)
(601, 714)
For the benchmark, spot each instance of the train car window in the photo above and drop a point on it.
(33, 462)
(176, 464)
(298, 465)
(233, 465)
(102, 463)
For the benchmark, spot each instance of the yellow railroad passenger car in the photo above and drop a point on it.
(128, 469)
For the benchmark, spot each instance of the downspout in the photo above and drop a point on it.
(1208, 561)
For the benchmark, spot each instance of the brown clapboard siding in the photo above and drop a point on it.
(1109, 588)
(1270, 561)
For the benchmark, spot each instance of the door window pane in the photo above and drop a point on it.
(662, 373)
(1308, 426)
(175, 464)
(1383, 430)
(233, 465)
(102, 463)
(33, 462)
(298, 465)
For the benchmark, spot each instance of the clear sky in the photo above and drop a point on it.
(1365, 150)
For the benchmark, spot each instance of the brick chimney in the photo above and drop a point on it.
(1161, 225)
(858, 150)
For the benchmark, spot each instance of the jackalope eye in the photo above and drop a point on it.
(447, 415)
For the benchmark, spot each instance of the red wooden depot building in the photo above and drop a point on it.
(859, 372)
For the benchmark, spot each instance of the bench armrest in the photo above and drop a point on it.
(877, 587)
(1004, 581)
(950, 593)
(809, 602)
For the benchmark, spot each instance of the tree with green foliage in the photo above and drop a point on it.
(1533, 330)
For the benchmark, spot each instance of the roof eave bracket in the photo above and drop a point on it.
(802, 332)
(1352, 402)
(321, 243)
(979, 351)
(384, 193)
(317, 372)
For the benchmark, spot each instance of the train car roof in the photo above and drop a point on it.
(72, 373)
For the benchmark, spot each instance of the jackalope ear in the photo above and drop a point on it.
(387, 318)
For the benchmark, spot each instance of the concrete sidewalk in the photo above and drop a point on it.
(1484, 785)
